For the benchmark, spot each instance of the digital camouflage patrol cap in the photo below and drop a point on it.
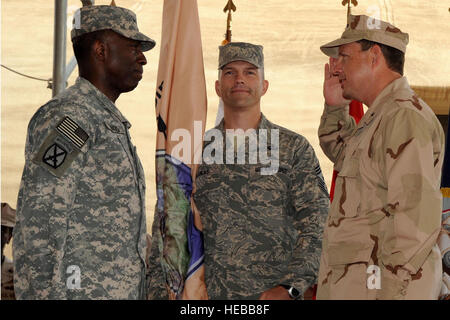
(241, 51)
(368, 28)
(123, 21)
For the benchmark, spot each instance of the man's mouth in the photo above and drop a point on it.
(139, 73)
(240, 90)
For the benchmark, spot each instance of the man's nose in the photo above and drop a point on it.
(338, 66)
(239, 78)
(141, 58)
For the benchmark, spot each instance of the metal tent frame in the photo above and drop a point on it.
(61, 71)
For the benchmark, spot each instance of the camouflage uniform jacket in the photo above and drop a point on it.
(89, 211)
(262, 230)
(7, 279)
(380, 235)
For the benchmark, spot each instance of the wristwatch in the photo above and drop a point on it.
(293, 293)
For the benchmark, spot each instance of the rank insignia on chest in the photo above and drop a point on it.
(61, 147)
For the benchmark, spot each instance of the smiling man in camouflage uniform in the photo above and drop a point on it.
(262, 228)
(380, 236)
(81, 227)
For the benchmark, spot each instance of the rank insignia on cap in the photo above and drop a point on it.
(55, 156)
(72, 131)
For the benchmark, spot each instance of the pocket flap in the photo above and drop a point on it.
(350, 168)
(349, 253)
(115, 127)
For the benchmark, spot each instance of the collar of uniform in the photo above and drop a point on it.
(379, 102)
(263, 124)
(88, 88)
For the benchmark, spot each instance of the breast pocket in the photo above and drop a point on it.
(208, 185)
(347, 199)
(270, 189)
(109, 171)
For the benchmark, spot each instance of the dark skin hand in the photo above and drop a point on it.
(276, 293)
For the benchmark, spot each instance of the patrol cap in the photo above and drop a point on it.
(241, 51)
(8, 216)
(368, 28)
(102, 17)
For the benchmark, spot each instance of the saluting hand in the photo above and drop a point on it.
(332, 90)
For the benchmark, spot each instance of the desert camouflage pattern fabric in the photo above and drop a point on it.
(243, 51)
(368, 28)
(7, 279)
(387, 206)
(262, 230)
(123, 21)
(91, 214)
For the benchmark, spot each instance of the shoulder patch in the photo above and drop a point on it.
(54, 156)
(73, 132)
(61, 147)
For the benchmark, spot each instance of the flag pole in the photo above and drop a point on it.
(228, 8)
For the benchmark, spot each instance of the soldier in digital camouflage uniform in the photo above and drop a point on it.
(380, 235)
(8, 222)
(81, 199)
(260, 230)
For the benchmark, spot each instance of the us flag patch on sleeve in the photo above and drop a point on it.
(73, 132)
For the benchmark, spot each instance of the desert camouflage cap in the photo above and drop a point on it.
(123, 21)
(242, 51)
(368, 28)
(8, 215)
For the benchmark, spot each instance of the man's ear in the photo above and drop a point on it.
(376, 56)
(265, 87)
(100, 50)
(218, 91)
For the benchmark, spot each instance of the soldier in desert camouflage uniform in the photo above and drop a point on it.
(262, 232)
(81, 199)
(380, 236)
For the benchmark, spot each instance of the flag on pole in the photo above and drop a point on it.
(181, 114)
(356, 111)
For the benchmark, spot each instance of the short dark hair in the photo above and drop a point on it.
(82, 44)
(395, 58)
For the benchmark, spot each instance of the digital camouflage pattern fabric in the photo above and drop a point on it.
(123, 21)
(81, 203)
(243, 51)
(262, 230)
(381, 232)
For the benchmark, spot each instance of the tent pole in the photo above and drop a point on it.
(59, 47)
